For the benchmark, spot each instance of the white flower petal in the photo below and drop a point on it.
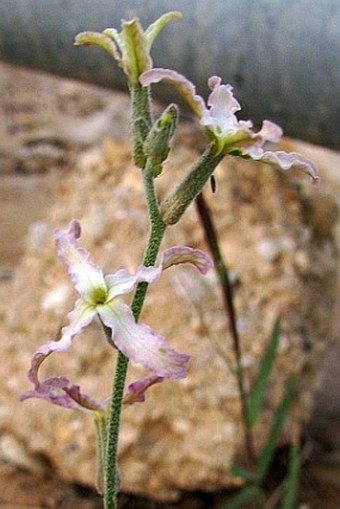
(122, 282)
(269, 132)
(79, 317)
(179, 82)
(119, 283)
(149, 274)
(286, 160)
(220, 117)
(139, 343)
(86, 276)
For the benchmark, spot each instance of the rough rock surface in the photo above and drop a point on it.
(276, 235)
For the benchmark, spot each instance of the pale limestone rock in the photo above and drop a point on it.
(16, 453)
(188, 433)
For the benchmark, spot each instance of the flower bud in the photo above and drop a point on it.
(157, 144)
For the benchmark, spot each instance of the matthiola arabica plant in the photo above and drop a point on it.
(100, 294)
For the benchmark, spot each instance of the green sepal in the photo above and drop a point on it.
(157, 144)
(136, 58)
(131, 47)
(98, 39)
(153, 30)
(225, 146)
(114, 35)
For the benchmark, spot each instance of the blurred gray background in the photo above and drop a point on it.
(282, 56)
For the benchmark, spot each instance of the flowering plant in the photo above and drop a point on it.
(99, 294)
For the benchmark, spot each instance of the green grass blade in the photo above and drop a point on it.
(260, 384)
(268, 450)
(291, 491)
(246, 493)
(243, 473)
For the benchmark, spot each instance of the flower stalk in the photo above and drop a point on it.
(141, 117)
(111, 487)
(177, 203)
(111, 477)
(150, 256)
(221, 269)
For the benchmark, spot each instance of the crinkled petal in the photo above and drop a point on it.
(136, 391)
(147, 274)
(230, 134)
(122, 282)
(179, 82)
(86, 276)
(84, 401)
(52, 390)
(79, 317)
(269, 132)
(184, 254)
(221, 120)
(220, 117)
(57, 390)
(286, 160)
(140, 344)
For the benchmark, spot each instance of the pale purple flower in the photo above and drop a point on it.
(230, 135)
(57, 390)
(100, 296)
(136, 391)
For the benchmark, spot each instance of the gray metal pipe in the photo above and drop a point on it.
(282, 56)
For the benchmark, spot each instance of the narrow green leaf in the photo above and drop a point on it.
(268, 450)
(243, 473)
(291, 491)
(260, 384)
(245, 494)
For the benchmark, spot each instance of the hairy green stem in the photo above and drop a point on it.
(174, 207)
(111, 477)
(141, 121)
(212, 240)
(111, 480)
(155, 239)
(177, 203)
(153, 246)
